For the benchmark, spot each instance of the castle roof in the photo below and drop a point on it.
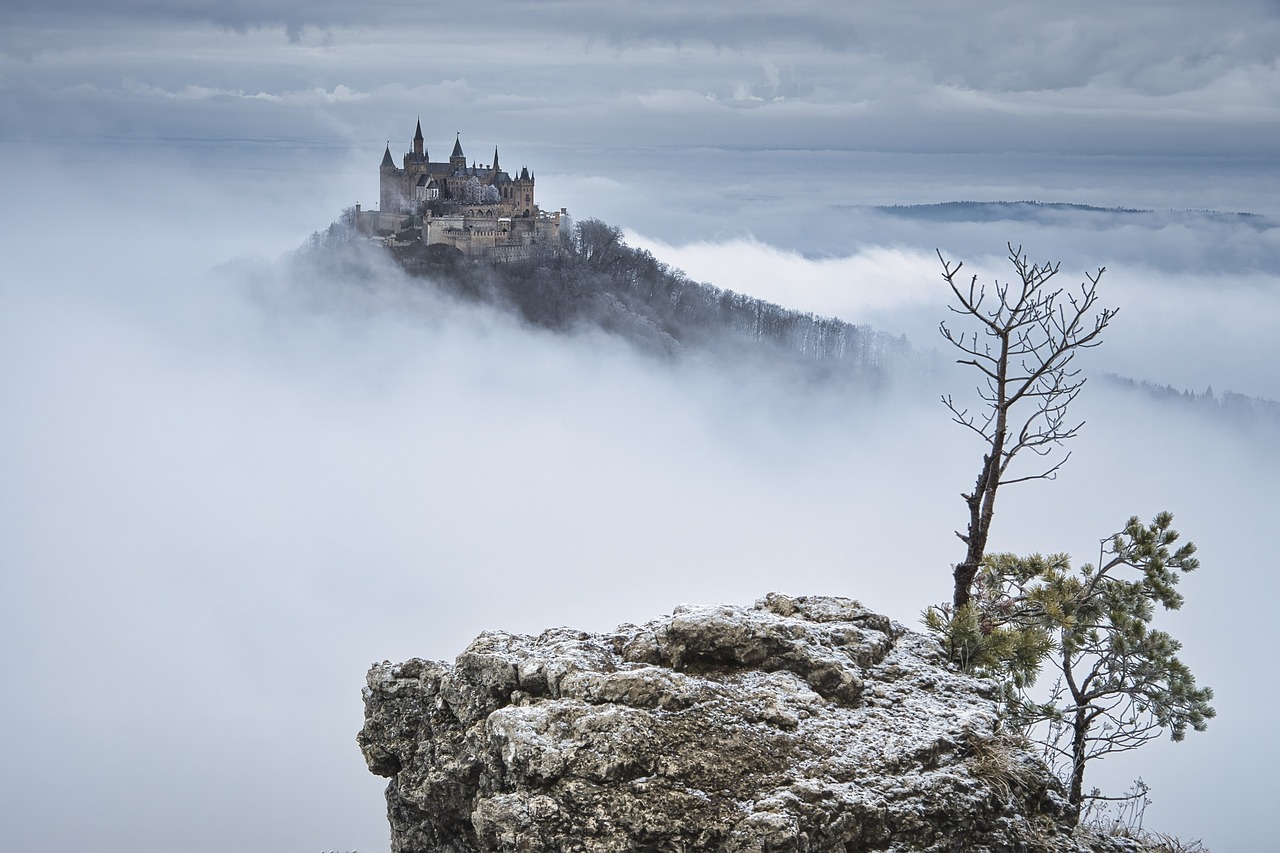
(386, 158)
(417, 136)
(457, 147)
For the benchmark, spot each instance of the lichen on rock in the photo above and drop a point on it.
(800, 724)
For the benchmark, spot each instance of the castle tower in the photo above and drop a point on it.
(418, 150)
(457, 160)
(390, 189)
(523, 200)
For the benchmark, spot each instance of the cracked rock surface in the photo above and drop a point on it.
(800, 724)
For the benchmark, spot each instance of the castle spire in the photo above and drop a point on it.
(457, 147)
(387, 162)
(495, 159)
(417, 139)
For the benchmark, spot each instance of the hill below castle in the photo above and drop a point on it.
(594, 282)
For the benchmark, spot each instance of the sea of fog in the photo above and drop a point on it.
(226, 492)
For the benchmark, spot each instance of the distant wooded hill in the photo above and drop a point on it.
(594, 280)
(1239, 408)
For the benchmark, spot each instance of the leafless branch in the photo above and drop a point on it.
(1028, 334)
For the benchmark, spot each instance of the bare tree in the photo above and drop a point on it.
(599, 244)
(1028, 334)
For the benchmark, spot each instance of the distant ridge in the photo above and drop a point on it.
(998, 211)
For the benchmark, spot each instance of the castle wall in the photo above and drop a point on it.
(372, 222)
(493, 237)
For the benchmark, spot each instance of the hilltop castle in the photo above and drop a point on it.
(480, 210)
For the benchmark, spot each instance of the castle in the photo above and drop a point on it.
(480, 210)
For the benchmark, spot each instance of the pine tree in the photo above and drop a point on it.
(1120, 682)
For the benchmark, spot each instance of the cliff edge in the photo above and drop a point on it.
(800, 724)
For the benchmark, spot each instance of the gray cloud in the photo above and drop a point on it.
(1012, 46)
(1182, 79)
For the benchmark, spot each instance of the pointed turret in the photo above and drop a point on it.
(417, 139)
(524, 173)
(457, 161)
(495, 158)
(390, 185)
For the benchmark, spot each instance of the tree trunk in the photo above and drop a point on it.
(982, 504)
(964, 574)
(1078, 743)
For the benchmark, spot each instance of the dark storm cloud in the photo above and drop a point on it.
(236, 15)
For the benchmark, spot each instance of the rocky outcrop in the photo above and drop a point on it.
(799, 724)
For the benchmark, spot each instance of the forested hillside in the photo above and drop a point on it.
(595, 281)
(1239, 409)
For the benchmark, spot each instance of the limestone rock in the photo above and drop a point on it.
(799, 724)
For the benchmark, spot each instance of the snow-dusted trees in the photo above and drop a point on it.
(474, 192)
(1119, 682)
(1027, 335)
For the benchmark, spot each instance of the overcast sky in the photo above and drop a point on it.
(223, 497)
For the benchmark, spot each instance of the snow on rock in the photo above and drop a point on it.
(800, 724)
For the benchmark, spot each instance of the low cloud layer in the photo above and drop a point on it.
(231, 490)
(226, 500)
